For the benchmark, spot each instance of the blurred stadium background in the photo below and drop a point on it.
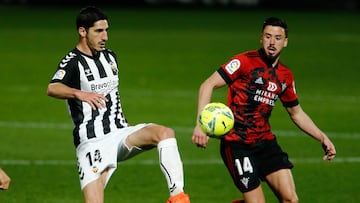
(302, 4)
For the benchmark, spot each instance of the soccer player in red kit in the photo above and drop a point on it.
(250, 151)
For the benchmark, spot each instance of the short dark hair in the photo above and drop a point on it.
(276, 22)
(88, 16)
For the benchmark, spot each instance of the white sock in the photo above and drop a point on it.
(171, 165)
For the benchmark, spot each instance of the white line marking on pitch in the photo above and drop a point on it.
(183, 129)
(155, 162)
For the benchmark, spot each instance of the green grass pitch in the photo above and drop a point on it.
(164, 55)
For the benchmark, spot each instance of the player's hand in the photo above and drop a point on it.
(199, 137)
(4, 180)
(329, 149)
(95, 100)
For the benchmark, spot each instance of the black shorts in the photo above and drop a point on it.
(249, 165)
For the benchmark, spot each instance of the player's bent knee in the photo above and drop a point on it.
(293, 199)
(159, 133)
(166, 133)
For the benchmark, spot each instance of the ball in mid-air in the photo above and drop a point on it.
(216, 119)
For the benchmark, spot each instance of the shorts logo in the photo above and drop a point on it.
(59, 75)
(232, 66)
(95, 169)
(245, 181)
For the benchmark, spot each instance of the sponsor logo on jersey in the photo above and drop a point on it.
(272, 87)
(104, 87)
(232, 66)
(267, 96)
(59, 75)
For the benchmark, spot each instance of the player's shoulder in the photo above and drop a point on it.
(252, 53)
(285, 71)
(70, 58)
(109, 52)
(284, 67)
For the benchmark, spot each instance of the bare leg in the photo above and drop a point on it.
(94, 191)
(282, 184)
(254, 196)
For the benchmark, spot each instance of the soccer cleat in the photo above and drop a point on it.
(179, 198)
(238, 201)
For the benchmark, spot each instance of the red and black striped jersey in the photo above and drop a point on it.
(92, 74)
(253, 88)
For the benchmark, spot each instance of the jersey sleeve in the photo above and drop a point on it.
(67, 71)
(230, 70)
(289, 97)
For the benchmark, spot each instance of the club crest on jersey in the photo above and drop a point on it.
(232, 66)
(114, 68)
(59, 75)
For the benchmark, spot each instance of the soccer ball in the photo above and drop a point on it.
(216, 119)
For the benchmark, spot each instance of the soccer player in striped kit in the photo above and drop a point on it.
(250, 151)
(87, 77)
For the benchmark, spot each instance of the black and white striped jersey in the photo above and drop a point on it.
(92, 74)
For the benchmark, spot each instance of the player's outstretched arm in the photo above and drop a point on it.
(205, 93)
(304, 122)
(199, 137)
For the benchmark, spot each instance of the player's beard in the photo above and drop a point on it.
(272, 58)
(268, 58)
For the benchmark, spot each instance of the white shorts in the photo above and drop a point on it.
(95, 155)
